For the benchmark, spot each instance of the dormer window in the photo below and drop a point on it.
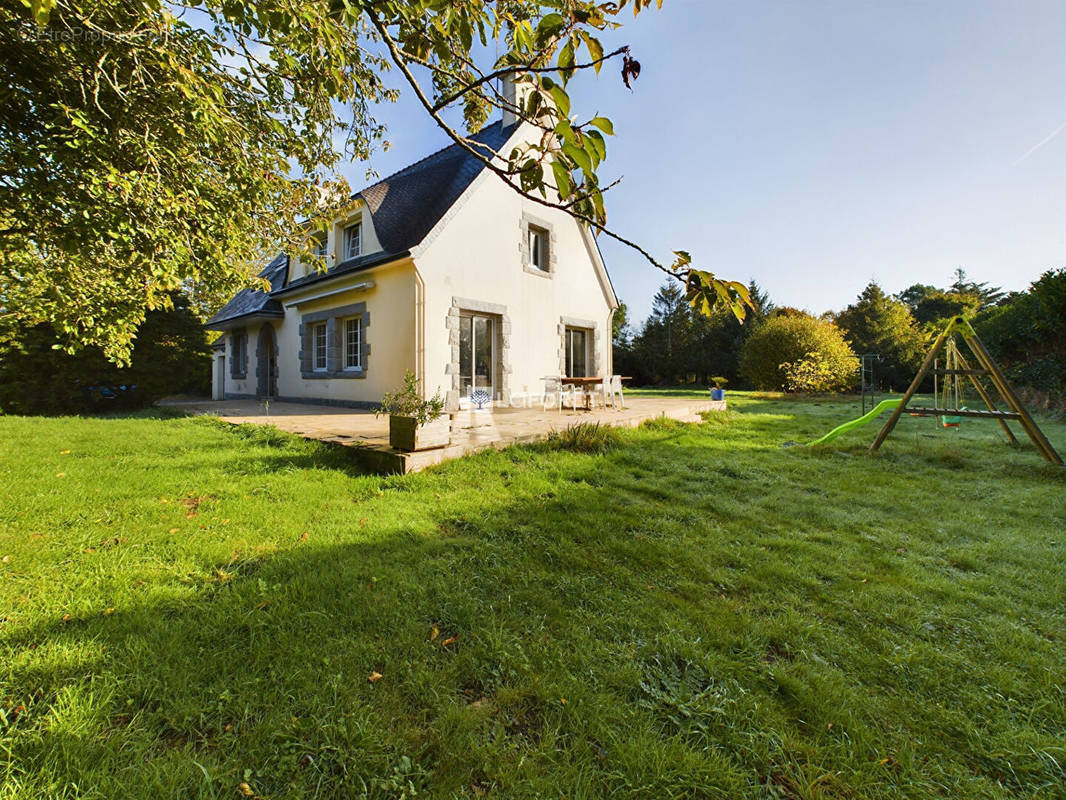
(353, 240)
(318, 245)
(538, 248)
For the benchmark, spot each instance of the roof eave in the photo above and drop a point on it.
(340, 271)
(235, 322)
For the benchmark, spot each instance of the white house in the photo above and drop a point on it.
(440, 269)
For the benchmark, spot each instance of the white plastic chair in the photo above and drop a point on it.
(553, 388)
(612, 390)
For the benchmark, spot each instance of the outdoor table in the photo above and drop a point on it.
(583, 384)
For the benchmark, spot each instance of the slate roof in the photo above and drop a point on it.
(406, 205)
(253, 302)
(404, 208)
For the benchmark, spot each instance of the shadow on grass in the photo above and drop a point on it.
(626, 629)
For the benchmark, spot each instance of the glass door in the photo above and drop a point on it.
(477, 367)
(576, 353)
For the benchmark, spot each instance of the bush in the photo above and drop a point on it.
(170, 356)
(796, 352)
(584, 437)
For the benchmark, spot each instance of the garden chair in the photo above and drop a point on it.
(612, 391)
(555, 393)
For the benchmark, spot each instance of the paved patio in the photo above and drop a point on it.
(471, 430)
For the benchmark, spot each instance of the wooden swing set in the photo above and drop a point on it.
(956, 372)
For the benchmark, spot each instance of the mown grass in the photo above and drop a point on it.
(698, 611)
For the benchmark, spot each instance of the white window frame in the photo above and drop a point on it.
(538, 240)
(319, 245)
(358, 352)
(353, 232)
(317, 366)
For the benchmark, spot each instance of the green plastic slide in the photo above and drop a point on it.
(858, 423)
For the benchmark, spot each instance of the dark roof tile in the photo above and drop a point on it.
(248, 302)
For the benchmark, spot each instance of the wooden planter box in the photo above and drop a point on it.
(404, 434)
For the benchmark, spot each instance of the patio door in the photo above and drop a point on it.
(477, 357)
(577, 352)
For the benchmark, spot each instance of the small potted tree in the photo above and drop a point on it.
(718, 392)
(414, 423)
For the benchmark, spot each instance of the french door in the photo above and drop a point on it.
(576, 353)
(477, 357)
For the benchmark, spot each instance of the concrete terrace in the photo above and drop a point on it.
(471, 430)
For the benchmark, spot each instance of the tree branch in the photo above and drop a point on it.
(503, 174)
(522, 68)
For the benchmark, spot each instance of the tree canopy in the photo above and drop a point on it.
(877, 323)
(148, 148)
(1026, 332)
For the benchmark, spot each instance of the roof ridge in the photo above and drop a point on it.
(422, 160)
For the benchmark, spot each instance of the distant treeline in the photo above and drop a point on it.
(783, 348)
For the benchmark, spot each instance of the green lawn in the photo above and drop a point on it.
(700, 612)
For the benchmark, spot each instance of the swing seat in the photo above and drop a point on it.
(952, 422)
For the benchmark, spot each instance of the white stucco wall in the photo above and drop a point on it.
(475, 254)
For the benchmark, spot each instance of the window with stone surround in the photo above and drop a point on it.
(536, 247)
(318, 343)
(238, 354)
(333, 342)
(353, 337)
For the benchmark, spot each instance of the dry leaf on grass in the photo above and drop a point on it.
(374, 677)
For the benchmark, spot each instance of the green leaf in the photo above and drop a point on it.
(598, 144)
(562, 179)
(565, 133)
(523, 36)
(595, 49)
(548, 28)
(566, 61)
(562, 100)
(580, 157)
(603, 124)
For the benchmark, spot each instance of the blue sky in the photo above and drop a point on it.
(815, 146)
